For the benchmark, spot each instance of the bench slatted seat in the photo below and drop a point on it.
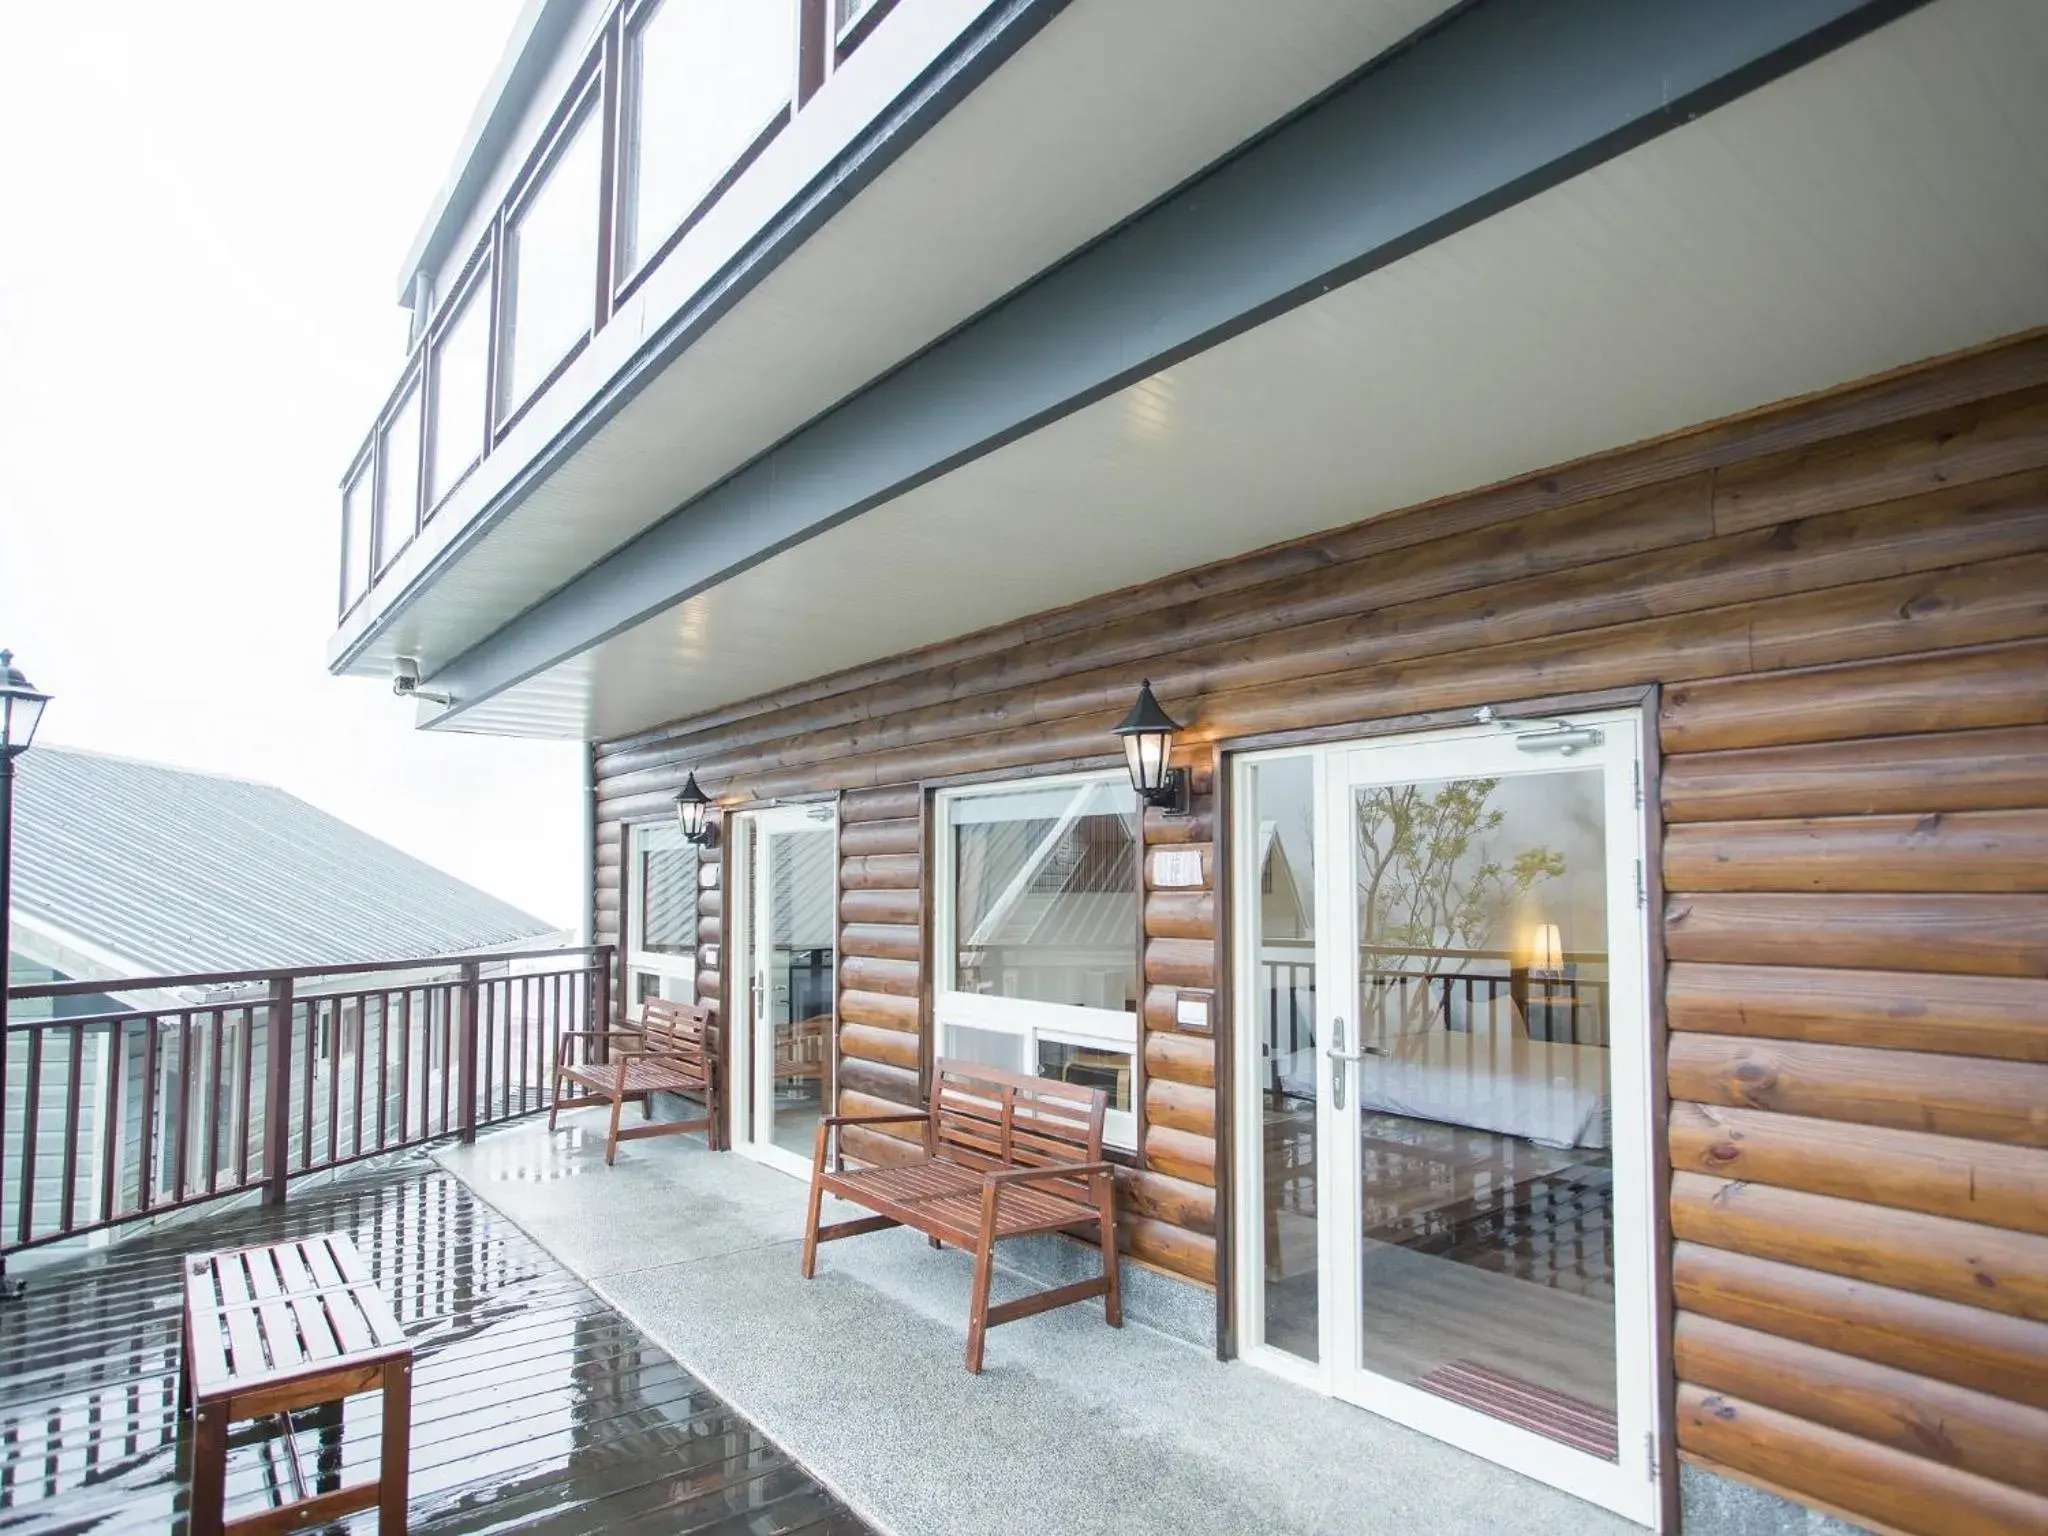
(673, 1049)
(1004, 1155)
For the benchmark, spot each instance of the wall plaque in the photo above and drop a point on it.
(1191, 1011)
(1177, 868)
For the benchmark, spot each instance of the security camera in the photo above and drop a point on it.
(405, 682)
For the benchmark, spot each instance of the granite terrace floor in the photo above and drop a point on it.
(1073, 1427)
(536, 1407)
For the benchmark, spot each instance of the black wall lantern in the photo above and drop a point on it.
(693, 815)
(1148, 747)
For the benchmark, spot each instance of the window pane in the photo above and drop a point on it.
(1045, 895)
(704, 78)
(398, 480)
(355, 536)
(551, 268)
(846, 12)
(1091, 1066)
(459, 362)
(664, 891)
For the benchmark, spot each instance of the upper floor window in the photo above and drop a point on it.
(661, 914)
(705, 79)
(461, 356)
(846, 12)
(1037, 944)
(355, 537)
(551, 264)
(398, 477)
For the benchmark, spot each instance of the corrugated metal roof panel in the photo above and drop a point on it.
(177, 871)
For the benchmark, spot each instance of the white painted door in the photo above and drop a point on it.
(1446, 1134)
(787, 859)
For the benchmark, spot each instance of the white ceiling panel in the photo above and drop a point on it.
(1885, 205)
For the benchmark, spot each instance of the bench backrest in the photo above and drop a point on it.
(688, 1031)
(984, 1117)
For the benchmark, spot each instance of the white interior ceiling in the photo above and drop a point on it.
(1886, 204)
(1111, 106)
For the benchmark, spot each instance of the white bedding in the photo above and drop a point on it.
(1552, 1094)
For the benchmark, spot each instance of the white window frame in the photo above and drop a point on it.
(1027, 1020)
(682, 968)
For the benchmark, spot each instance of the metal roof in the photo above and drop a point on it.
(177, 872)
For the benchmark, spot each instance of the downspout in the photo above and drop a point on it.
(588, 915)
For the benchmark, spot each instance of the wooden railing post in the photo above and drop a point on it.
(601, 1003)
(277, 1093)
(465, 1056)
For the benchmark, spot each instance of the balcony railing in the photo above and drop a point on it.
(238, 1082)
(672, 103)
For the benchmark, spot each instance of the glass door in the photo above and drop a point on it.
(1449, 1139)
(788, 859)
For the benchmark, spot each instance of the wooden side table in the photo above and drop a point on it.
(287, 1326)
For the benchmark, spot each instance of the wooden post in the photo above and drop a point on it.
(277, 1094)
(601, 1002)
(465, 1057)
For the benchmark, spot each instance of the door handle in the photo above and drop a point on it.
(1340, 1060)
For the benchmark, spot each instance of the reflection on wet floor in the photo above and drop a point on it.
(536, 1407)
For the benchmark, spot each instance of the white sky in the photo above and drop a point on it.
(203, 206)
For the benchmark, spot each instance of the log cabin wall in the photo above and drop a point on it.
(1844, 601)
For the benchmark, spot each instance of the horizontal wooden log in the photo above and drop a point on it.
(1180, 963)
(1164, 831)
(1972, 1431)
(1158, 1197)
(1180, 915)
(1911, 1170)
(885, 941)
(1295, 639)
(1953, 1260)
(1191, 1255)
(893, 802)
(1994, 1016)
(710, 929)
(877, 1146)
(1852, 1474)
(881, 872)
(710, 985)
(1181, 1106)
(878, 1080)
(1997, 685)
(1933, 851)
(1981, 441)
(1984, 935)
(884, 1010)
(1204, 851)
(1987, 770)
(870, 973)
(1178, 1058)
(881, 907)
(1944, 1340)
(1180, 1154)
(858, 839)
(868, 1042)
(1961, 1096)
(852, 1101)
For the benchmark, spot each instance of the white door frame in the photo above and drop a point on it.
(752, 1068)
(1626, 1486)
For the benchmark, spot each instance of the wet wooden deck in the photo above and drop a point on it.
(536, 1407)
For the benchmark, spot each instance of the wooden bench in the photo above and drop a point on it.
(673, 1049)
(1003, 1155)
(273, 1329)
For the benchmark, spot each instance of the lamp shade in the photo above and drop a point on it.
(21, 708)
(693, 810)
(1546, 948)
(1147, 733)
